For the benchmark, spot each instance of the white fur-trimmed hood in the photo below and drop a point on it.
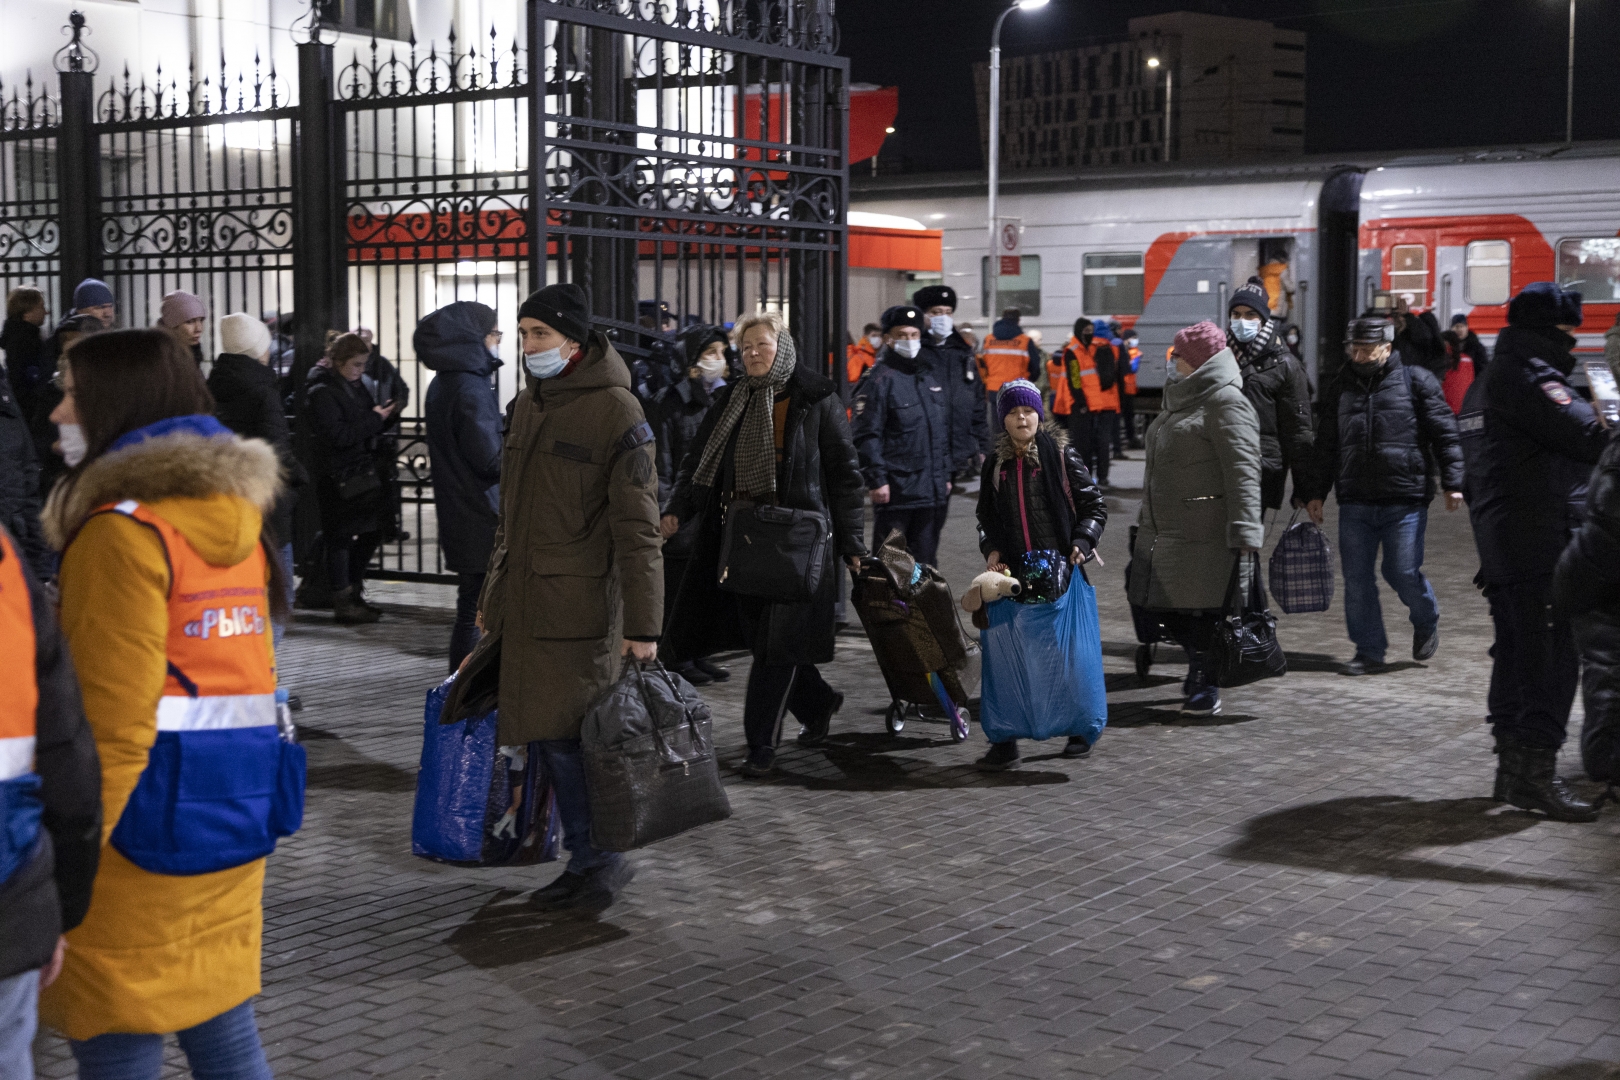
(181, 465)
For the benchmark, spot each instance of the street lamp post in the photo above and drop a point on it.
(1169, 99)
(1569, 85)
(993, 269)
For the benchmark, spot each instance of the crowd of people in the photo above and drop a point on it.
(587, 528)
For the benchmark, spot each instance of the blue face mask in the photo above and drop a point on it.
(1244, 329)
(543, 365)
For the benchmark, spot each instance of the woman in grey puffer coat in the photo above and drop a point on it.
(1200, 502)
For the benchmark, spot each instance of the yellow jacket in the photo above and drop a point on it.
(156, 953)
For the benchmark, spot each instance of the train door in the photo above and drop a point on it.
(1337, 229)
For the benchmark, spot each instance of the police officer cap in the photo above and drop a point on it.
(930, 296)
(1543, 304)
(1370, 331)
(903, 315)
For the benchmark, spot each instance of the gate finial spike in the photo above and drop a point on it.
(76, 55)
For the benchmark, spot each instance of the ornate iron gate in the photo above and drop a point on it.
(682, 160)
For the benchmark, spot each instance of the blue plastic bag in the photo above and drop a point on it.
(1043, 674)
(464, 789)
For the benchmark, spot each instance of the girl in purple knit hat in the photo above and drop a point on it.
(1040, 516)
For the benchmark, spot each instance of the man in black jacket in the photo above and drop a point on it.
(1586, 590)
(1275, 384)
(50, 786)
(946, 351)
(902, 432)
(463, 417)
(1534, 457)
(1385, 431)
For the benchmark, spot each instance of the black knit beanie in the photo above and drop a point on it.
(561, 307)
(1253, 294)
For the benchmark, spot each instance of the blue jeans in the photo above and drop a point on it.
(1362, 528)
(565, 767)
(19, 1019)
(224, 1048)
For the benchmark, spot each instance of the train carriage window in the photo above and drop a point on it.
(1021, 290)
(1592, 267)
(1487, 272)
(1409, 274)
(1113, 283)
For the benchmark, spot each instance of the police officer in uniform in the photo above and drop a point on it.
(951, 356)
(903, 436)
(1531, 458)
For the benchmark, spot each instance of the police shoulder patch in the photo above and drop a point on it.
(1558, 392)
(860, 405)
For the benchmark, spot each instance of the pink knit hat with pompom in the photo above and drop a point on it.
(1198, 342)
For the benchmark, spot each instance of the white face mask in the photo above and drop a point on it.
(874, 340)
(73, 445)
(1244, 329)
(712, 368)
(941, 325)
(907, 347)
(543, 365)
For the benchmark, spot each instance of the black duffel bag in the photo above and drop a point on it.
(650, 767)
(1244, 648)
(773, 552)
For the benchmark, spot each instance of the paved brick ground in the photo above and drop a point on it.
(1309, 885)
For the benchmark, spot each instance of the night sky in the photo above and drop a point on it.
(1381, 74)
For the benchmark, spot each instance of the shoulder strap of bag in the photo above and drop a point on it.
(1257, 598)
(1234, 600)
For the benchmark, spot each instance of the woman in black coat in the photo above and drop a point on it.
(345, 421)
(813, 467)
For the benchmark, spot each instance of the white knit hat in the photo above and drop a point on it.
(242, 334)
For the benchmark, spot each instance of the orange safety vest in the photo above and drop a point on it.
(220, 785)
(19, 707)
(1062, 396)
(1085, 379)
(1129, 381)
(1004, 360)
(857, 358)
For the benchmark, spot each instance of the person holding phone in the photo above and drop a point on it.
(346, 421)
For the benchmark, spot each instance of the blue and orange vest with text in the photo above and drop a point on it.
(20, 805)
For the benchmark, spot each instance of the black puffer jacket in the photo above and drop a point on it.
(342, 422)
(49, 894)
(1383, 438)
(819, 471)
(680, 411)
(247, 399)
(958, 370)
(1586, 587)
(1539, 444)
(1274, 383)
(1064, 508)
(463, 416)
(19, 484)
(903, 431)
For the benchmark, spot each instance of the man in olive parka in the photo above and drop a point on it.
(576, 580)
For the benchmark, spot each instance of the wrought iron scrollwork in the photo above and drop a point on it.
(135, 102)
(29, 108)
(215, 231)
(76, 55)
(436, 73)
(807, 25)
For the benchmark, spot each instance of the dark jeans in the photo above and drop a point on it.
(1093, 436)
(921, 524)
(774, 689)
(464, 632)
(1536, 667)
(1399, 530)
(224, 1048)
(1596, 633)
(565, 767)
(347, 558)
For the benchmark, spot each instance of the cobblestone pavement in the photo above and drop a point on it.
(1311, 884)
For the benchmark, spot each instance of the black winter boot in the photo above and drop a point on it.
(348, 609)
(1532, 783)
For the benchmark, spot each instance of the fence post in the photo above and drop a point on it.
(320, 249)
(78, 165)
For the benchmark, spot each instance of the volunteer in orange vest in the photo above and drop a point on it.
(50, 805)
(863, 354)
(168, 584)
(1007, 354)
(1093, 379)
(1129, 362)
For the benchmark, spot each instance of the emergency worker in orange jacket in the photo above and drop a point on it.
(863, 353)
(1129, 356)
(1007, 353)
(1093, 378)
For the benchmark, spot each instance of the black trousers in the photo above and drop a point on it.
(1125, 435)
(1535, 667)
(1597, 634)
(348, 556)
(464, 632)
(775, 689)
(921, 525)
(1093, 436)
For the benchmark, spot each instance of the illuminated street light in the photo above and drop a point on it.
(993, 270)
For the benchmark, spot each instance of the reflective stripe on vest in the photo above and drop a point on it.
(20, 806)
(220, 785)
(1005, 360)
(1097, 399)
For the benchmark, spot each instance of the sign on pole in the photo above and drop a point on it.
(1010, 243)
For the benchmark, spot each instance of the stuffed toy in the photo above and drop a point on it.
(989, 586)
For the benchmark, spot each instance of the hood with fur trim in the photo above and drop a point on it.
(177, 466)
(1004, 444)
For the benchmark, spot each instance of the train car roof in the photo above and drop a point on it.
(1310, 167)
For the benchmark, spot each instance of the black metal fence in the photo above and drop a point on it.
(679, 154)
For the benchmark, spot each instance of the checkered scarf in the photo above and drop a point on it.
(1247, 351)
(752, 400)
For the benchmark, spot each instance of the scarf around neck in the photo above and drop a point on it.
(752, 400)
